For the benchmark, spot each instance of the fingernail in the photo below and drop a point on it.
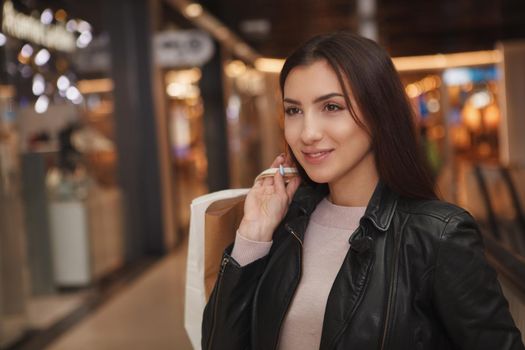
(281, 170)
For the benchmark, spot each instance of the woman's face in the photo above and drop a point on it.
(318, 126)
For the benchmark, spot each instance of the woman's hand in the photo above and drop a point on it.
(266, 204)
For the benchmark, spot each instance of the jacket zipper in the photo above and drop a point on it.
(390, 295)
(289, 229)
(224, 262)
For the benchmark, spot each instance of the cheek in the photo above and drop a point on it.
(347, 129)
(291, 132)
(354, 137)
(343, 131)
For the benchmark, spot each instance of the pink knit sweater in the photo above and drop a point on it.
(324, 249)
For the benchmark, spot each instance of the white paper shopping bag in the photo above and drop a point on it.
(195, 270)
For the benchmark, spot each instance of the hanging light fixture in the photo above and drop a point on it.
(41, 104)
(42, 57)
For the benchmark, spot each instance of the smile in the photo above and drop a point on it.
(316, 157)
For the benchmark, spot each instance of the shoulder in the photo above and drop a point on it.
(436, 209)
(440, 219)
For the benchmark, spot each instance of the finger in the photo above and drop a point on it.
(268, 181)
(292, 186)
(278, 181)
(277, 161)
(268, 190)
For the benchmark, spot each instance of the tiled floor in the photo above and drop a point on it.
(149, 314)
(44, 311)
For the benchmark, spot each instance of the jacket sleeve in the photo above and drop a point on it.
(227, 316)
(466, 293)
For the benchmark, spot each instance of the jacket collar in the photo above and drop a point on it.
(380, 209)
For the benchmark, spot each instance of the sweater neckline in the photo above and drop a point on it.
(332, 215)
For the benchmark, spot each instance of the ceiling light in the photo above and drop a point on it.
(72, 93)
(46, 17)
(63, 83)
(71, 25)
(42, 57)
(193, 10)
(41, 104)
(26, 51)
(39, 85)
(61, 15)
(235, 68)
(269, 65)
(84, 39)
(83, 26)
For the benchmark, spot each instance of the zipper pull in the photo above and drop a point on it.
(224, 262)
(289, 229)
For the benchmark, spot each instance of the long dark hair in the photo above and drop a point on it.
(368, 69)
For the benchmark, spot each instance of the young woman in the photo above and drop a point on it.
(362, 255)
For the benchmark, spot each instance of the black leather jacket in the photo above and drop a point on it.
(415, 277)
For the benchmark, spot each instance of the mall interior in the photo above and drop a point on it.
(115, 115)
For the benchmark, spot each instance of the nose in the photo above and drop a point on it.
(311, 131)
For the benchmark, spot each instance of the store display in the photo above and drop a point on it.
(13, 264)
(59, 192)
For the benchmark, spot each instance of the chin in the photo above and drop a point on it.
(319, 178)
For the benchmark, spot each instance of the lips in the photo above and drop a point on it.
(316, 156)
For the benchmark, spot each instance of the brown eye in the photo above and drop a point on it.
(332, 107)
(291, 111)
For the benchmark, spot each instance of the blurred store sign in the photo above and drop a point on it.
(187, 48)
(22, 26)
(256, 29)
(93, 86)
(465, 75)
(96, 57)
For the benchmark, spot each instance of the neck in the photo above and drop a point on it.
(355, 188)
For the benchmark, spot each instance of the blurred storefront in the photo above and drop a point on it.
(62, 220)
(104, 142)
(215, 125)
(179, 55)
(255, 121)
(458, 111)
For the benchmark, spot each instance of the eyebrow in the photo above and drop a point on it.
(316, 100)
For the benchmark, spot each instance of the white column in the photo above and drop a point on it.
(512, 102)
